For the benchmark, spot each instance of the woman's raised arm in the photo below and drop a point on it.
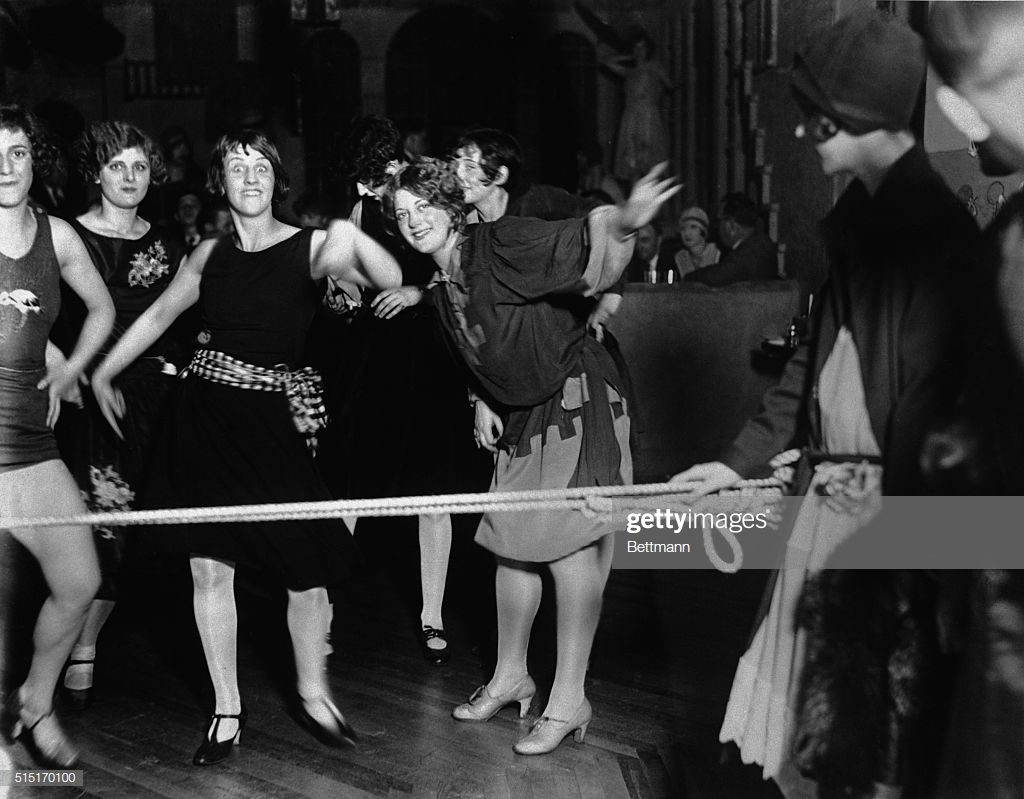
(345, 253)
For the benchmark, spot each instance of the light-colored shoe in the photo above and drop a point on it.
(481, 705)
(548, 733)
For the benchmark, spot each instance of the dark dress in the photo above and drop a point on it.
(111, 471)
(29, 304)
(515, 309)
(401, 423)
(225, 445)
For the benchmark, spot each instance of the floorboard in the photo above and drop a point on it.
(658, 682)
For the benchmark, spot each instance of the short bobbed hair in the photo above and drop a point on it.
(433, 180)
(45, 154)
(497, 149)
(372, 144)
(246, 140)
(102, 141)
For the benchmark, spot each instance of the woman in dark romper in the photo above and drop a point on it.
(137, 261)
(513, 301)
(36, 253)
(241, 427)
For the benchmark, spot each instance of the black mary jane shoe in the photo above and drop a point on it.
(211, 750)
(435, 657)
(339, 735)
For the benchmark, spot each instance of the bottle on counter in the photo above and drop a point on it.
(793, 334)
(651, 276)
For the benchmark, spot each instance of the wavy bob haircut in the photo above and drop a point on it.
(102, 141)
(44, 154)
(246, 140)
(433, 180)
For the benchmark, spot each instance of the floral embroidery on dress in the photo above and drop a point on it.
(149, 266)
(109, 492)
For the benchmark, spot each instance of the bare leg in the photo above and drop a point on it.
(213, 601)
(67, 557)
(579, 583)
(78, 676)
(518, 587)
(435, 533)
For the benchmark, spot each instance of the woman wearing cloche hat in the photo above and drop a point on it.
(832, 689)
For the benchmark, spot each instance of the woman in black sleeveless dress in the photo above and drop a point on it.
(36, 253)
(137, 261)
(241, 425)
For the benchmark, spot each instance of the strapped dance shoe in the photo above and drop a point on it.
(43, 738)
(77, 698)
(338, 735)
(211, 750)
(482, 705)
(548, 733)
(435, 657)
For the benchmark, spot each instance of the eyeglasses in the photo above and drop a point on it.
(819, 127)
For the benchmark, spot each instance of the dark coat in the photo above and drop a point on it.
(754, 258)
(898, 261)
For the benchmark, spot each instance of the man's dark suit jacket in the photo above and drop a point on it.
(754, 258)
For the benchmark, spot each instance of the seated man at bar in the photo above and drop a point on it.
(648, 261)
(747, 253)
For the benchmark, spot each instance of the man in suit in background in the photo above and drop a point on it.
(747, 253)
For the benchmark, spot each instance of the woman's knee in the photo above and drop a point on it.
(308, 600)
(77, 589)
(210, 574)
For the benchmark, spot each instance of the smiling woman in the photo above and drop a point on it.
(511, 298)
(242, 425)
(36, 253)
(137, 262)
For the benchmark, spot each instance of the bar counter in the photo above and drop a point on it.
(695, 359)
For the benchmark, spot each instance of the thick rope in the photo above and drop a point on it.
(596, 501)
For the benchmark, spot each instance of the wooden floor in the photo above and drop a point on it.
(658, 683)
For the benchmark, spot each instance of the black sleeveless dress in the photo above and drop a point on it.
(111, 471)
(225, 445)
(29, 304)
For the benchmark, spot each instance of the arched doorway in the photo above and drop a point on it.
(452, 67)
(568, 105)
(330, 96)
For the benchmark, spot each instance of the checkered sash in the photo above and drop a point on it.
(303, 388)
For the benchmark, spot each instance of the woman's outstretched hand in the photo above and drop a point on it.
(109, 399)
(648, 195)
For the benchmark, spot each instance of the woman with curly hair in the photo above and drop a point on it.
(513, 302)
(398, 366)
(36, 253)
(137, 261)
